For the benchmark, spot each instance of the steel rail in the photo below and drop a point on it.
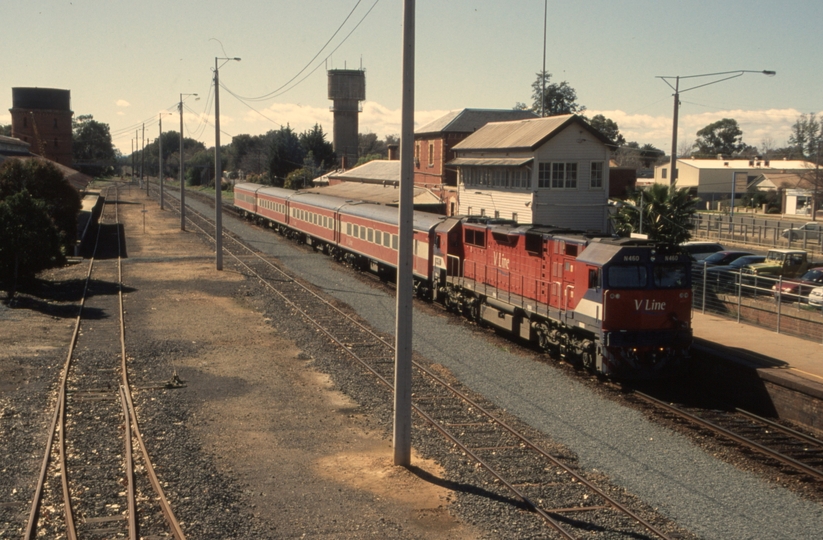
(802, 467)
(129, 459)
(783, 429)
(59, 410)
(545, 515)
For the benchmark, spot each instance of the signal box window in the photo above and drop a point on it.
(596, 181)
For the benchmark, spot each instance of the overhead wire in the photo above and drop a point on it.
(266, 96)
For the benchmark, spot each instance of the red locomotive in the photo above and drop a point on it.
(616, 306)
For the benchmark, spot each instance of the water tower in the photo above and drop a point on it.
(42, 118)
(347, 88)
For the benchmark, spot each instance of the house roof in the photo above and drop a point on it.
(77, 179)
(491, 162)
(523, 135)
(470, 120)
(774, 165)
(382, 194)
(375, 171)
(11, 146)
(775, 180)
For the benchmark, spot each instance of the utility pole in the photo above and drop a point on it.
(405, 279)
(143, 161)
(136, 148)
(218, 168)
(132, 161)
(160, 159)
(543, 73)
(182, 183)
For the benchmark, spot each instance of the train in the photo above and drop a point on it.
(618, 307)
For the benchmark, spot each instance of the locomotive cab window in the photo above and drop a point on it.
(670, 276)
(627, 277)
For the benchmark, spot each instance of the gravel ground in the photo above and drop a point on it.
(709, 497)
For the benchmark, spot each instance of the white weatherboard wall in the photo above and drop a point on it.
(582, 207)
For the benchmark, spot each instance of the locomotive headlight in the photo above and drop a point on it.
(652, 258)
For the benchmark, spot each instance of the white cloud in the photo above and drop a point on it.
(756, 125)
(122, 103)
(121, 113)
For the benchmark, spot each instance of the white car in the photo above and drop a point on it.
(816, 296)
(810, 230)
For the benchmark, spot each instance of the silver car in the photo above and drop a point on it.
(809, 230)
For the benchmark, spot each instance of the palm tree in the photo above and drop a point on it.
(666, 214)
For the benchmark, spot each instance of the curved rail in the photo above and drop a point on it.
(764, 450)
(58, 425)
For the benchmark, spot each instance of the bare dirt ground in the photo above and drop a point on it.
(294, 455)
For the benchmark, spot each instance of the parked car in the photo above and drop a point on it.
(816, 296)
(700, 250)
(724, 278)
(787, 263)
(797, 289)
(812, 230)
(722, 258)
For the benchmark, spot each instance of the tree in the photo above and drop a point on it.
(633, 155)
(608, 128)
(44, 182)
(92, 147)
(560, 98)
(285, 155)
(314, 143)
(807, 134)
(5, 130)
(722, 137)
(666, 214)
(29, 240)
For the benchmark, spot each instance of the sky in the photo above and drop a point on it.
(126, 63)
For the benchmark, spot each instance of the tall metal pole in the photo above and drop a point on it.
(182, 182)
(136, 148)
(218, 178)
(143, 161)
(160, 160)
(673, 166)
(543, 73)
(132, 161)
(405, 280)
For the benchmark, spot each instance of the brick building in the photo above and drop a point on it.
(433, 145)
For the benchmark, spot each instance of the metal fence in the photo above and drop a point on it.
(757, 232)
(757, 300)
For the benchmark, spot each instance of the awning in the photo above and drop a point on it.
(489, 162)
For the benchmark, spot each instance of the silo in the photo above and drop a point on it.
(347, 88)
(42, 117)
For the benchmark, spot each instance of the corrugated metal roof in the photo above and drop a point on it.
(378, 170)
(522, 134)
(386, 195)
(470, 120)
(490, 162)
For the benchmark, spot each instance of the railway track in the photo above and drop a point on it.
(534, 479)
(90, 485)
(777, 444)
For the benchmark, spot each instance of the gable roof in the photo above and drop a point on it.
(524, 134)
(778, 180)
(375, 171)
(470, 120)
(772, 165)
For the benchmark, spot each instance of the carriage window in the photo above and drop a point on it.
(362, 233)
(671, 276)
(371, 235)
(387, 238)
(378, 237)
(394, 241)
(348, 229)
(627, 277)
(356, 231)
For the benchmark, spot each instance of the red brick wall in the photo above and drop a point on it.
(52, 137)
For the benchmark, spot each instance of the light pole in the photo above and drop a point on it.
(678, 91)
(218, 174)
(160, 157)
(182, 181)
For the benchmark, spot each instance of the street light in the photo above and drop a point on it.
(182, 181)
(218, 176)
(678, 91)
(160, 156)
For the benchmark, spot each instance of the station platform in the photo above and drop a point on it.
(787, 371)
